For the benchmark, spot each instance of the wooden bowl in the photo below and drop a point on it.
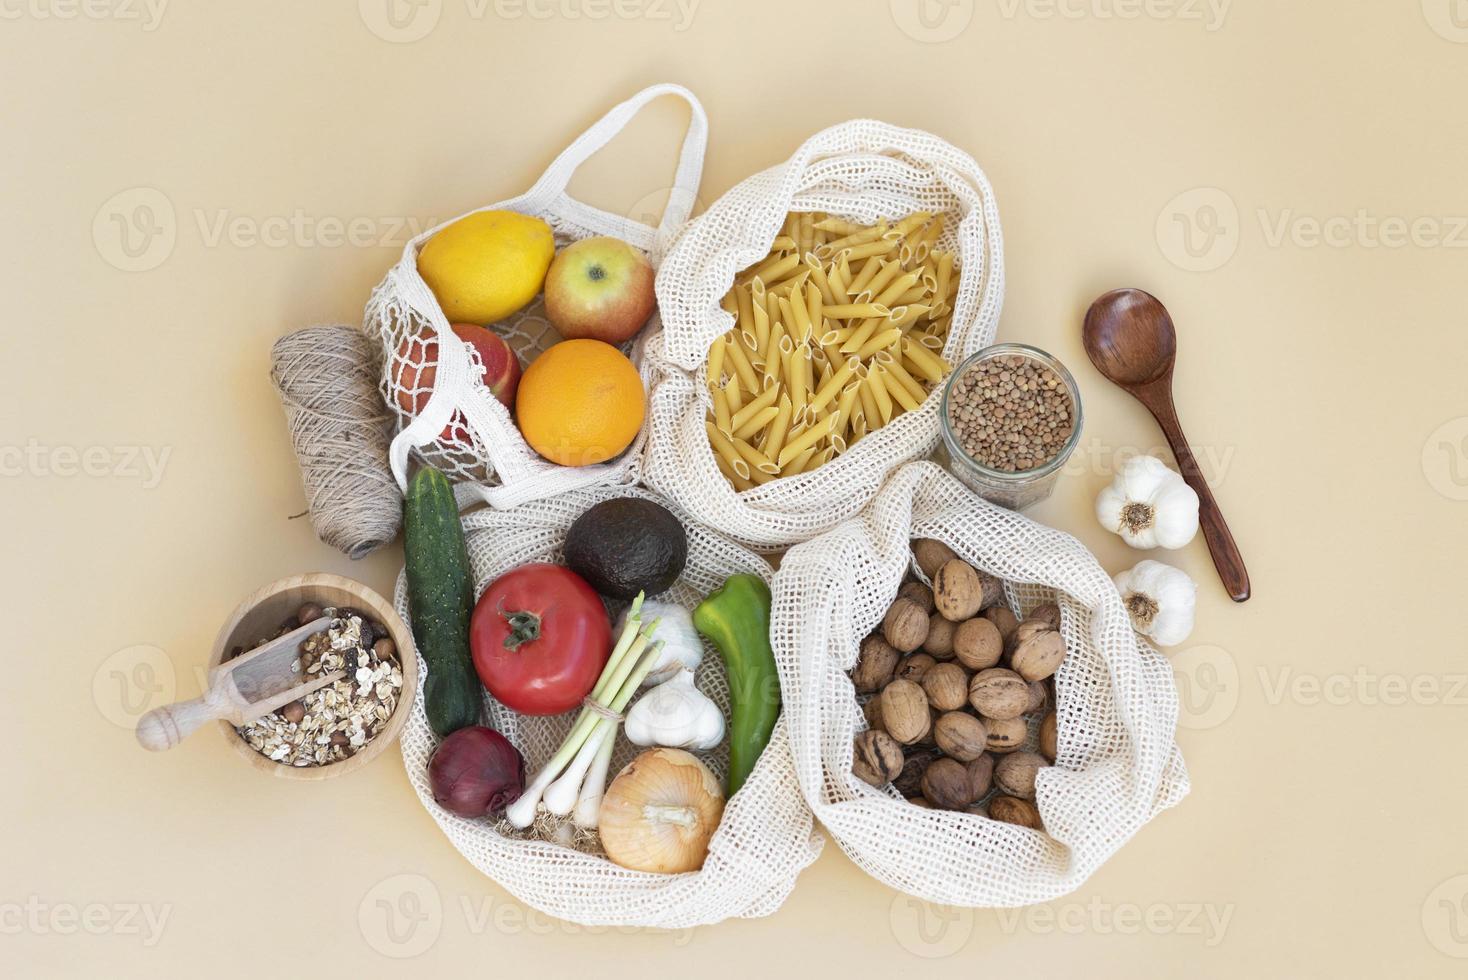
(262, 613)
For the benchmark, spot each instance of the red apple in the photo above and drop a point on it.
(599, 288)
(418, 370)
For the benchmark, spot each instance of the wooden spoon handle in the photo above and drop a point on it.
(1221, 546)
(163, 728)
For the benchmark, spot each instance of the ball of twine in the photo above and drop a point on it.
(327, 379)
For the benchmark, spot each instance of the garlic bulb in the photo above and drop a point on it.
(681, 644)
(1160, 600)
(660, 813)
(1149, 505)
(675, 714)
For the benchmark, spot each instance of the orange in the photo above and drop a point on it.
(580, 402)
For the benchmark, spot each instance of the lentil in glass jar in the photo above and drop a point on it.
(1011, 418)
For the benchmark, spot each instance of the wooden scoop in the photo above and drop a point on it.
(240, 690)
(1130, 338)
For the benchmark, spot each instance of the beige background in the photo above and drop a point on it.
(1321, 382)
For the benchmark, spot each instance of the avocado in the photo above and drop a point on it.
(626, 546)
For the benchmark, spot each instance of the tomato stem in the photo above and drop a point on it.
(524, 628)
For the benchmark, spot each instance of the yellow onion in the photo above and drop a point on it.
(660, 812)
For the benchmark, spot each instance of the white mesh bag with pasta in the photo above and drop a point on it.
(766, 836)
(809, 318)
(455, 422)
(1117, 764)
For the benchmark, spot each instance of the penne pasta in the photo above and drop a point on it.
(838, 330)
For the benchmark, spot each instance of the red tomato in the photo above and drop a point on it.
(540, 638)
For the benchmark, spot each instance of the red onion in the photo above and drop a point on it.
(476, 771)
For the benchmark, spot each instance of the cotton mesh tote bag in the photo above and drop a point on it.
(862, 172)
(766, 836)
(442, 408)
(1117, 764)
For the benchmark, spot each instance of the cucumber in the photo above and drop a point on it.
(440, 598)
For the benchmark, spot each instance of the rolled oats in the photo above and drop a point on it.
(338, 720)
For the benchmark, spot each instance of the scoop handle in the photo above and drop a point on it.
(163, 728)
(1226, 557)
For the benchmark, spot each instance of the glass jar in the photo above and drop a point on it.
(1013, 490)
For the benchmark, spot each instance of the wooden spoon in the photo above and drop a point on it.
(240, 690)
(1131, 340)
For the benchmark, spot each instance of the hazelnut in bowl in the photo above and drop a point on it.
(343, 726)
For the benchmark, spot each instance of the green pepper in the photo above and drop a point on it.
(736, 618)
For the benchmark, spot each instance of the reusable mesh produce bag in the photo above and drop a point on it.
(456, 423)
(766, 836)
(1117, 764)
(862, 171)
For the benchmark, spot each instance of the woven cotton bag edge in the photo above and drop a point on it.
(484, 449)
(1118, 764)
(862, 170)
(766, 836)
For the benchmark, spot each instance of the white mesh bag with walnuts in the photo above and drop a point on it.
(454, 422)
(766, 836)
(862, 171)
(1117, 764)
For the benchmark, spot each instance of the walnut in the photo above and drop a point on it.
(876, 758)
(999, 693)
(947, 785)
(981, 774)
(977, 644)
(940, 637)
(957, 591)
(1006, 734)
(960, 735)
(993, 587)
(1037, 652)
(1048, 613)
(906, 625)
(1010, 809)
(1015, 773)
(873, 712)
(946, 686)
(905, 711)
(931, 555)
(1039, 697)
(912, 668)
(919, 593)
(1001, 617)
(875, 665)
(1048, 737)
(909, 782)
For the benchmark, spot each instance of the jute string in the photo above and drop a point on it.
(327, 379)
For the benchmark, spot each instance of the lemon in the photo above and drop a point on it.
(488, 265)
